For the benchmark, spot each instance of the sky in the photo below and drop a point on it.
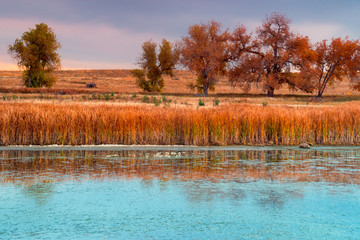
(108, 34)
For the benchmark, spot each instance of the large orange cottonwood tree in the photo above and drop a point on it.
(275, 56)
(204, 52)
(335, 60)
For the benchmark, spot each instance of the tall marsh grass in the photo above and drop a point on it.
(74, 124)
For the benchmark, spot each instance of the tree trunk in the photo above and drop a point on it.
(205, 83)
(319, 94)
(29, 82)
(270, 92)
(321, 90)
(205, 90)
(206, 86)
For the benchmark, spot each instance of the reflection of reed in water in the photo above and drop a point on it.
(244, 165)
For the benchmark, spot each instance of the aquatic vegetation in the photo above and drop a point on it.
(73, 124)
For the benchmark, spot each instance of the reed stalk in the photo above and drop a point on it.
(74, 124)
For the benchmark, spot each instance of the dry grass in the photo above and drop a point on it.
(24, 123)
(121, 81)
(118, 86)
(116, 112)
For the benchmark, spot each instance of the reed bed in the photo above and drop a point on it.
(24, 123)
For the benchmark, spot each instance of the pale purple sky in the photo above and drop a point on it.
(107, 34)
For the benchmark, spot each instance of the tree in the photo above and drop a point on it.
(154, 65)
(270, 59)
(204, 52)
(335, 61)
(243, 60)
(36, 53)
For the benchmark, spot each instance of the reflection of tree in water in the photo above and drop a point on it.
(264, 194)
(242, 165)
(205, 191)
(40, 192)
(276, 198)
(272, 198)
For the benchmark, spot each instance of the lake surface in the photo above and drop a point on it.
(114, 192)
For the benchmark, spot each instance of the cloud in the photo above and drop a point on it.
(100, 43)
(315, 31)
(83, 44)
(320, 31)
(73, 65)
(8, 66)
(250, 24)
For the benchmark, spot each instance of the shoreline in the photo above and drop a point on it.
(120, 147)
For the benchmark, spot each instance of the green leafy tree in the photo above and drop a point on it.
(154, 64)
(36, 53)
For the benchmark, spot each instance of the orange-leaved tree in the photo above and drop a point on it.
(204, 52)
(335, 60)
(275, 56)
(154, 64)
(243, 64)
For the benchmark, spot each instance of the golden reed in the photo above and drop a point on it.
(74, 124)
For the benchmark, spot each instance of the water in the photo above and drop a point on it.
(179, 193)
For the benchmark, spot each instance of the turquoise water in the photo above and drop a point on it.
(179, 193)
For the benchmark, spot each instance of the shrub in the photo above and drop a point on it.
(145, 99)
(201, 103)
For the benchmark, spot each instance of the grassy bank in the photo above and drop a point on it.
(71, 123)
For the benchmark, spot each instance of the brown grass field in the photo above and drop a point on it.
(122, 85)
(117, 112)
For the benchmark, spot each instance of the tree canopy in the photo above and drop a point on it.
(334, 61)
(270, 57)
(36, 52)
(154, 64)
(204, 52)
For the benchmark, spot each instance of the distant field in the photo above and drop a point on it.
(120, 81)
(119, 86)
